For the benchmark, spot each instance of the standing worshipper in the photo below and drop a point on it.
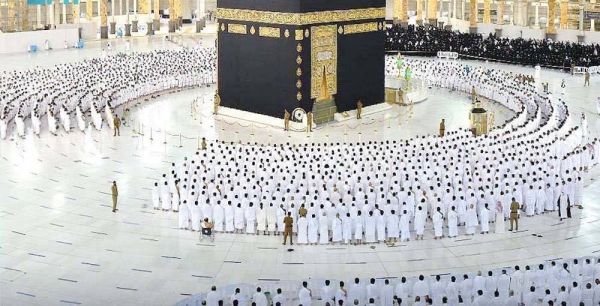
(452, 223)
(359, 106)
(419, 225)
(392, 227)
(438, 219)
(250, 215)
(499, 218)
(196, 215)
(485, 220)
(115, 194)
(305, 296)
(313, 230)
(442, 127)
(323, 229)
(336, 229)
(563, 204)
(272, 219)
(471, 223)
(347, 229)
(259, 298)
(156, 197)
(184, 216)
(370, 226)
(404, 227)
(302, 230)
(261, 220)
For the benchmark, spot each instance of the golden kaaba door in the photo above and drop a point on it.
(323, 62)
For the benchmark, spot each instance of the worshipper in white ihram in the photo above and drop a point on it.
(370, 226)
(346, 227)
(184, 216)
(261, 219)
(259, 298)
(471, 220)
(323, 229)
(305, 295)
(196, 214)
(485, 219)
(313, 230)
(499, 218)
(452, 223)
(438, 219)
(302, 230)
(239, 219)
(250, 215)
(336, 230)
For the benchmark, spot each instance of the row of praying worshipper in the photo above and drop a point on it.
(532, 52)
(535, 157)
(566, 282)
(539, 147)
(69, 94)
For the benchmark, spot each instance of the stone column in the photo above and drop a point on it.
(564, 14)
(500, 18)
(156, 24)
(103, 19)
(397, 9)
(486, 11)
(473, 17)
(50, 9)
(113, 24)
(121, 7)
(419, 12)
(432, 10)
(63, 15)
(453, 8)
(537, 15)
(127, 23)
(38, 16)
(592, 25)
(89, 10)
(141, 7)
(25, 13)
(172, 16)
(551, 31)
(463, 9)
(179, 5)
(581, 35)
(76, 12)
(12, 16)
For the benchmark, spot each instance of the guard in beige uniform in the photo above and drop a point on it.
(115, 194)
(288, 222)
(286, 121)
(514, 215)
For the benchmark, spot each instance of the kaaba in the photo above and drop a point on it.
(284, 54)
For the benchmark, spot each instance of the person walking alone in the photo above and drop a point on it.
(115, 194)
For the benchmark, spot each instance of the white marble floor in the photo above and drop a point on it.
(61, 244)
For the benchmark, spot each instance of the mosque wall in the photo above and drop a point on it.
(20, 41)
